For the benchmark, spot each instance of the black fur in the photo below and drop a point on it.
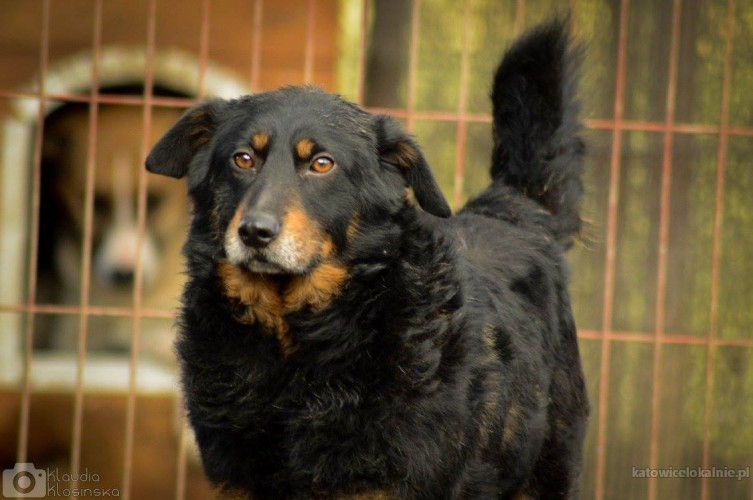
(536, 146)
(446, 364)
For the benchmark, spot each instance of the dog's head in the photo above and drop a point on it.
(116, 243)
(290, 176)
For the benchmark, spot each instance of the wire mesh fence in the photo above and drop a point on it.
(662, 285)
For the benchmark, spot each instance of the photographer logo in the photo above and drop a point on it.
(24, 481)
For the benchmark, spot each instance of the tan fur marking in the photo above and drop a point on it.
(304, 149)
(410, 197)
(316, 289)
(488, 334)
(267, 302)
(262, 299)
(259, 141)
(488, 418)
(328, 249)
(405, 155)
(512, 422)
(304, 230)
(234, 222)
(201, 125)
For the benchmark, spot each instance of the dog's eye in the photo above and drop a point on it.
(101, 203)
(322, 164)
(153, 201)
(243, 160)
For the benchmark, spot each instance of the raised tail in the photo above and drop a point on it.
(537, 147)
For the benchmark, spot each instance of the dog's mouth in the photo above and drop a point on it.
(268, 261)
(260, 264)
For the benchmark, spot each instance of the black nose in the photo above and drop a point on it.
(258, 230)
(122, 276)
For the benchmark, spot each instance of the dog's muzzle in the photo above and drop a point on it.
(259, 245)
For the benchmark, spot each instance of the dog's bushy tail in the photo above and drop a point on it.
(537, 147)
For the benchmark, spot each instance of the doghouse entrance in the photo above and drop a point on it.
(107, 235)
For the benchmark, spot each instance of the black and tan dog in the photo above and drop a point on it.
(343, 336)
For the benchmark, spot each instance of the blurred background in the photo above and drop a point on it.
(90, 271)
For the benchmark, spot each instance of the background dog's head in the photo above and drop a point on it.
(116, 245)
(289, 177)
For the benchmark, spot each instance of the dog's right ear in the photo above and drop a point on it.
(173, 153)
(399, 149)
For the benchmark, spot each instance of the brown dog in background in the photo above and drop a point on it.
(115, 242)
(116, 247)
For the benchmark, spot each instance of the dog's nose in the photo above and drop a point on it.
(122, 276)
(258, 230)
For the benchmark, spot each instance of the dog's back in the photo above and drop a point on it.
(512, 239)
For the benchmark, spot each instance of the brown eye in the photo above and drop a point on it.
(243, 160)
(322, 164)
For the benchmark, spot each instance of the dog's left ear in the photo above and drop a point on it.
(398, 148)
